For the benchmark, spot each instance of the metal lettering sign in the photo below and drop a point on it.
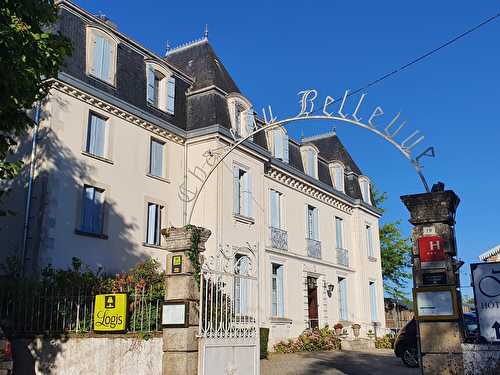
(311, 108)
(431, 250)
(486, 282)
(110, 312)
(434, 278)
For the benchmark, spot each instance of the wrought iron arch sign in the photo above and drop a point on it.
(307, 101)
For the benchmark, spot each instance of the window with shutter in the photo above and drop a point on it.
(278, 144)
(92, 210)
(101, 58)
(277, 291)
(342, 293)
(285, 148)
(365, 190)
(156, 158)
(241, 284)
(153, 235)
(275, 209)
(312, 223)
(369, 241)
(339, 235)
(373, 301)
(171, 95)
(96, 135)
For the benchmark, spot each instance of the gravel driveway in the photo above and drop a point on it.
(374, 362)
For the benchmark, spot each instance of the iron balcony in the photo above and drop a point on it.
(313, 248)
(343, 257)
(279, 238)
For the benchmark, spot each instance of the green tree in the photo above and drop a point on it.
(395, 253)
(30, 54)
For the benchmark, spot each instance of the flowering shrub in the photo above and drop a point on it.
(310, 340)
(386, 342)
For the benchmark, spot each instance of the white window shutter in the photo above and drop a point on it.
(150, 84)
(236, 190)
(97, 211)
(244, 290)
(97, 56)
(281, 292)
(278, 144)
(285, 148)
(275, 212)
(248, 194)
(308, 222)
(250, 122)
(171, 94)
(108, 57)
(150, 236)
(373, 301)
(315, 224)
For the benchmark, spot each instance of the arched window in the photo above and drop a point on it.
(160, 91)
(101, 54)
(310, 160)
(337, 175)
(241, 114)
(364, 184)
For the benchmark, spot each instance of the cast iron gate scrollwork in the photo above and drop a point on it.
(229, 335)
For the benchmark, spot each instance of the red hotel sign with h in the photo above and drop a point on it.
(431, 249)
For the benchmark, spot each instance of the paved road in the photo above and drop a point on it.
(375, 362)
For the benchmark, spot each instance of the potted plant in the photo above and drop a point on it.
(338, 328)
(355, 329)
(371, 334)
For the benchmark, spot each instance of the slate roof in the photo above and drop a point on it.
(200, 61)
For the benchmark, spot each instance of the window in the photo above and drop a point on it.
(242, 116)
(241, 284)
(369, 241)
(365, 190)
(312, 222)
(280, 139)
(310, 160)
(275, 199)
(92, 210)
(101, 55)
(156, 158)
(160, 88)
(342, 284)
(96, 136)
(153, 235)
(337, 171)
(339, 232)
(242, 192)
(373, 300)
(277, 292)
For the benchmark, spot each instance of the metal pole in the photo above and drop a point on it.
(30, 188)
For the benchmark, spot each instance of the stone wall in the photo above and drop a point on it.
(481, 359)
(110, 355)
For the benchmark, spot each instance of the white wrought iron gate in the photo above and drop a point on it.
(229, 322)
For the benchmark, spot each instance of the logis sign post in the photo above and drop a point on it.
(486, 282)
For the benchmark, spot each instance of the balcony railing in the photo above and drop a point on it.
(343, 257)
(279, 238)
(313, 248)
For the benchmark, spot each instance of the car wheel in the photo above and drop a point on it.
(410, 357)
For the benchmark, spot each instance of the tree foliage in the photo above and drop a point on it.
(30, 54)
(395, 253)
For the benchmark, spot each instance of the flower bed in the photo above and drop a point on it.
(311, 340)
(386, 342)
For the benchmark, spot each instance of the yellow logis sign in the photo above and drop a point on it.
(110, 312)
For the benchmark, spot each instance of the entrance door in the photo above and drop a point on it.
(312, 301)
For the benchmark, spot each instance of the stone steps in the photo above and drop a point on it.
(357, 344)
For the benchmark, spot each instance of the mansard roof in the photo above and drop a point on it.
(200, 61)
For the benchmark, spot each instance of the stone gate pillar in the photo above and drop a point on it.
(437, 302)
(180, 343)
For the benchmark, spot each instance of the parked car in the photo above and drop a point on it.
(6, 363)
(406, 347)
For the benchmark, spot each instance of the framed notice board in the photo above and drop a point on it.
(435, 303)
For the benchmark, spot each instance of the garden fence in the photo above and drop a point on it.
(33, 309)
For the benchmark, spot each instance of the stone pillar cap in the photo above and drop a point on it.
(434, 207)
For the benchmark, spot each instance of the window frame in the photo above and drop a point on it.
(370, 249)
(372, 285)
(83, 230)
(307, 150)
(279, 311)
(163, 157)
(365, 181)
(106, 135)
(280, 209)
(342, 285)
(242, 202)
(241, 130)
(334, 168)
(159, 216)
(96, 30)
(312, 233)
(339, 229)
(161, 100)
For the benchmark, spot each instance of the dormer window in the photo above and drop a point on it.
(280, 144)
(160, 88)
(101, 55)
(242, 116)
(364, 184)
(310, 160)
(337, 175)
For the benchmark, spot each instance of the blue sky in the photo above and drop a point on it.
(273, 49)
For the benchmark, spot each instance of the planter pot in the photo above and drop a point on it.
(355, 331)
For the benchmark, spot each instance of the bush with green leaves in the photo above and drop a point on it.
(386, 342)
(311, 340)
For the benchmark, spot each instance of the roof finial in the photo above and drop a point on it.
(167, 48)
(205, 34)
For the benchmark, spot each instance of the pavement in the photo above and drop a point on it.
(373, 362)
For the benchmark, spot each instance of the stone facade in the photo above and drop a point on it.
(202, 121)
